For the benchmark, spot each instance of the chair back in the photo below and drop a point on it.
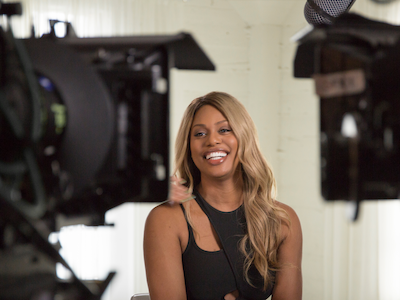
(142, 296)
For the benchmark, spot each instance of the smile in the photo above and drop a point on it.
(215, 155)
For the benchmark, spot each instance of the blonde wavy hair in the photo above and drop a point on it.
(263, 217)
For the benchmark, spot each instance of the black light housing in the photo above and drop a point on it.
(354, 63)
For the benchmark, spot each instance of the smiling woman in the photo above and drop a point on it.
(235, 240)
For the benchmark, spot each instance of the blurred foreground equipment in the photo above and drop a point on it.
(84, 127)
(355, 65)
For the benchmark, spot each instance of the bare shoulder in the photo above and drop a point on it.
(165, 217)
(289, 210)
(294, 221)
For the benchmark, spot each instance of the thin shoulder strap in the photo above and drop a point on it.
(184, 211)
(191, 236)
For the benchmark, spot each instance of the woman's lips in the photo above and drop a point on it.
(216, 155)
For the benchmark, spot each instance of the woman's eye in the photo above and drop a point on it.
(199, 134)
(225, 130)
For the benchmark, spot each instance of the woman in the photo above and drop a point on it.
(234, 240)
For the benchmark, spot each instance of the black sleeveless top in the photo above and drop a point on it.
(212, 275)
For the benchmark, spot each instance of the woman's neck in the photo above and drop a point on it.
(223, 195)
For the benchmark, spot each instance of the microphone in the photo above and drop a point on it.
(325, 11)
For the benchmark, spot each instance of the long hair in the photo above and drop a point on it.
(263, 217)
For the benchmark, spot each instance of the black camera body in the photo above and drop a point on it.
(84, 127)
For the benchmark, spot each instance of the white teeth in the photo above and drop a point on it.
(215, 155)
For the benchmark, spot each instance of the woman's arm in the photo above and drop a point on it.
(289, 283)
(163, 253)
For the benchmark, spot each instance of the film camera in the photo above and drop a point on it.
(84, 127)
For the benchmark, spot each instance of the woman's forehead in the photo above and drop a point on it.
(208, 113)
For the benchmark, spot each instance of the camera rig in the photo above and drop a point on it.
(84, 127)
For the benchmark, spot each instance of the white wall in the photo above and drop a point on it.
(249, 41)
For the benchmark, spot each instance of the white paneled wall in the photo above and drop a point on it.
(249, 42)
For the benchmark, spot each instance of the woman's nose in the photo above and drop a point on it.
(214, 138)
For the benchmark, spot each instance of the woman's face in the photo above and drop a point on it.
(213, 145)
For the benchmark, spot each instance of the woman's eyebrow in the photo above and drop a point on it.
(200, 125)
(221, 122)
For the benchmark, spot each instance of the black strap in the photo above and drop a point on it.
(190, 230)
